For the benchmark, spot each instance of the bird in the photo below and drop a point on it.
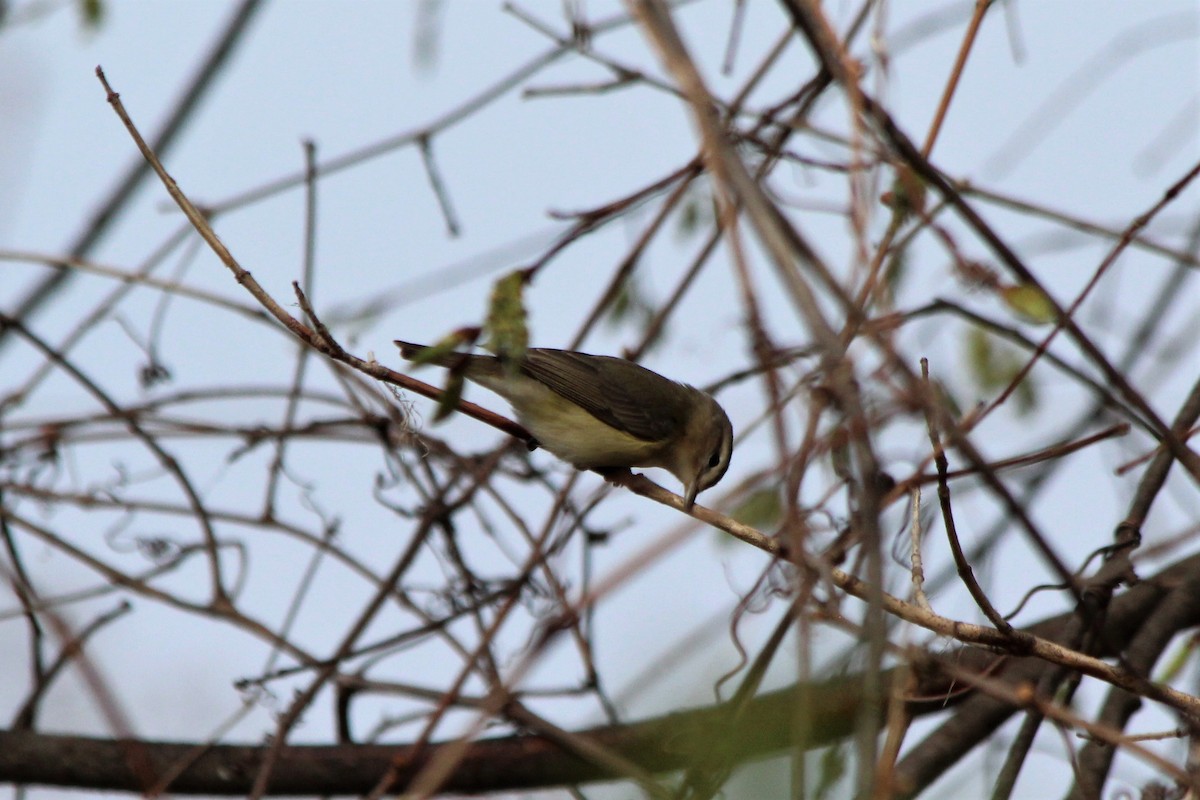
(604, 413)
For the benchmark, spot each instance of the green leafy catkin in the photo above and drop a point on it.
(508, 333)
(1029, 303)
(451, 396)
(434, 353)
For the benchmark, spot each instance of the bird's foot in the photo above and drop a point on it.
(615, 475)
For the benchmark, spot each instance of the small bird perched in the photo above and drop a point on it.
(600, 412)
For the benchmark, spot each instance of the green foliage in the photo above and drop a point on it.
(1173, 665)
(91, 13)
(451, 396)
(907, 195)
(1029, 303)
(508, 333)
(895, 271)
(759, 509)
(436, 354)
(695, 213)
(995, 365)
(831, 771)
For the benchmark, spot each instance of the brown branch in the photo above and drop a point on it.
(657, 745)
(118, 200)
(514, 762)
(964, 568)
(169, 463)
(313, 338)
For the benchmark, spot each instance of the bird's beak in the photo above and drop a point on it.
(689, 497)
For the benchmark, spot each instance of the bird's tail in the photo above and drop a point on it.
(408, 350)
(444, 355)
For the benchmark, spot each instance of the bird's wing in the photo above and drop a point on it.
(613, 390)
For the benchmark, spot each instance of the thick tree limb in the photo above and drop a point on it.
(661, 744)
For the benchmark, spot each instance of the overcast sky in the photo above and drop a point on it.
(1090, 107)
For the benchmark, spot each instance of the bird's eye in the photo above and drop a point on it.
(714, 459)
